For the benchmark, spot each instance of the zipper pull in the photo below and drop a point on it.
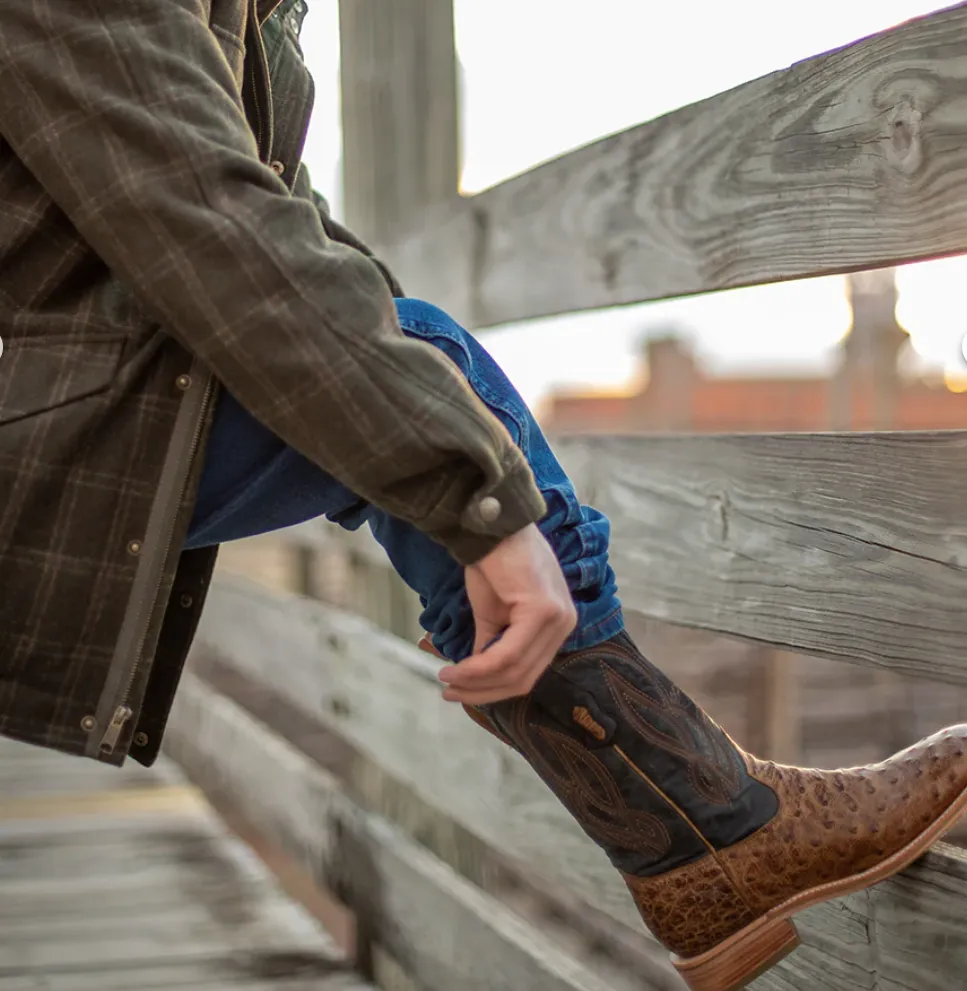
(113, 732)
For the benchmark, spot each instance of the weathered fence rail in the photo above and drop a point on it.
(328, 733)
(851, 160)
(846, 545)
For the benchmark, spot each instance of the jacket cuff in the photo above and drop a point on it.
(494, 514)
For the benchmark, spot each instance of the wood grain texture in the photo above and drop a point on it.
(904, 934)
(206, 975)
(400, 138)
(852, 546)
(139, 894)
(443, 932)
(851, 160)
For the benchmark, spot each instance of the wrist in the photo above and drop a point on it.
(495, 514)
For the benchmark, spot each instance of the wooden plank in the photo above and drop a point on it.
(68, 855)
(101, 885)
(69, 946)
(905, 933)
(196, 975)
(851, 160)
(160, 889)
(201, 975)
(76, 805)
(227, 908)
(443, 931)
(852, 546)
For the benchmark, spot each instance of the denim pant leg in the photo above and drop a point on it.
(253, 483)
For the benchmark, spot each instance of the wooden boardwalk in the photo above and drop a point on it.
(127, 879)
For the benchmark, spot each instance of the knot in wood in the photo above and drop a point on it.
(905, 149)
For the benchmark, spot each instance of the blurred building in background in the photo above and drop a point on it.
(868, 391)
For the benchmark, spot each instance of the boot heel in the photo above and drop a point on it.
(741, 958)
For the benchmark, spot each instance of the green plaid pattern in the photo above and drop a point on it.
(145, 247)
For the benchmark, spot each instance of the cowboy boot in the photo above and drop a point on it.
(718, 849)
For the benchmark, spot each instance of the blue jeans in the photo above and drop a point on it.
(253, 483)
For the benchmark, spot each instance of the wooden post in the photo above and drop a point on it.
(782, 728)
(304, 563)
(841, 392)
(869, 354)
(399, 112)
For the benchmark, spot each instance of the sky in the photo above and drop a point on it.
(541, 77)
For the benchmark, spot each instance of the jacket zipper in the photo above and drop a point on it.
(263, 112)
(110, 738)
(122, 711)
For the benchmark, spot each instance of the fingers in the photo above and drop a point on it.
(490, 615)
(504, 662)
(518, 594)
(499, 664)
(513, 665)
(486, 634)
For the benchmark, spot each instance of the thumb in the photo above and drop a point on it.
(490, 615)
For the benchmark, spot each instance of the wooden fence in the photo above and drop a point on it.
(326, 731)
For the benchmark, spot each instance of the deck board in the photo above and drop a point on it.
(113, 879)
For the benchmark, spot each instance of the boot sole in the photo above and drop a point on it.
(740, 959)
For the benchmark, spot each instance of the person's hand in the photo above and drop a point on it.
(518, 593)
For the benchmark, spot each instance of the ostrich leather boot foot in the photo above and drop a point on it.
(719, 849)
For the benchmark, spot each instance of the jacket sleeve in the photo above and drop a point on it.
(127, 112)
(337, 232)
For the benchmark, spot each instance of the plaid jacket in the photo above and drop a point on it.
(158, 241)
